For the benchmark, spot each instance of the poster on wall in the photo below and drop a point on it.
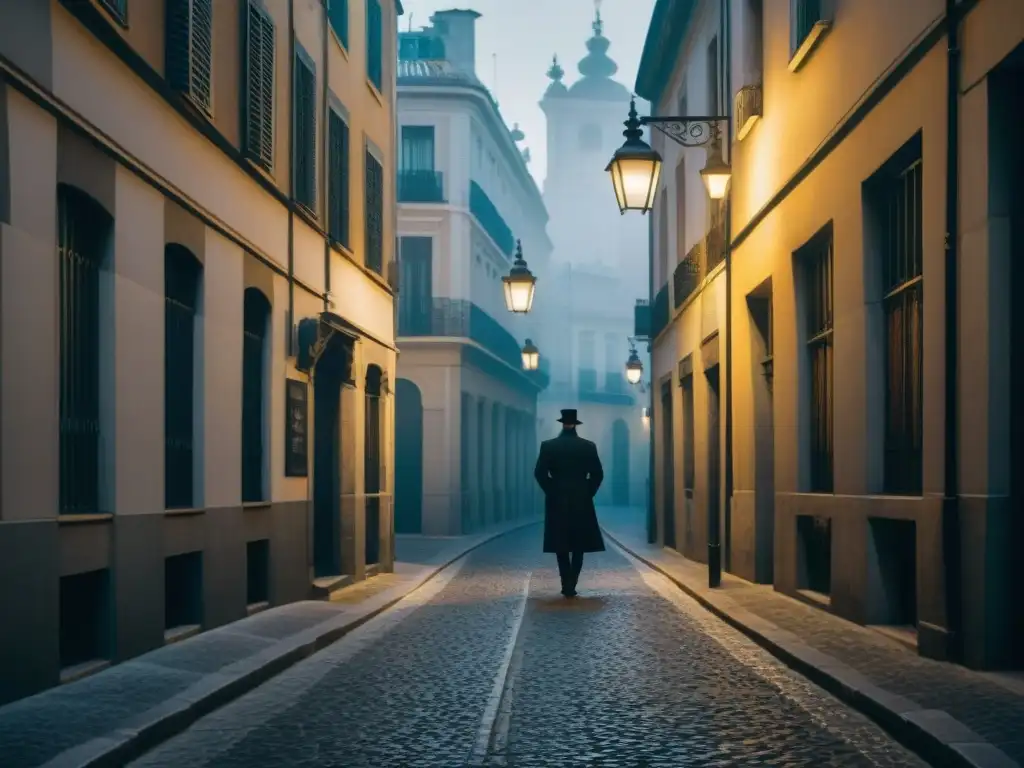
(296, 429)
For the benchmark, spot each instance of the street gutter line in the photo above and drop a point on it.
(495, 720)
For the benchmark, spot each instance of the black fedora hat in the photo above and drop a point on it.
(569, 416)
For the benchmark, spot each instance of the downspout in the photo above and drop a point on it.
(325, 161)
(291, 181)
(652, 518)
(951, 545)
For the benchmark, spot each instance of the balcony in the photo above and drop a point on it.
(486, 213)
(702, 258)
(642, 319)
(421, 187)
(615, 391)
(463, 319)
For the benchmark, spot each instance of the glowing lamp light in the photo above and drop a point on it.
(519, 284)
(645, 417)
(531, 356)
(634, 168)
(634, 367)
(716, 173)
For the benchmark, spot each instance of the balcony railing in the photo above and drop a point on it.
(421, 187)
(486, 213)
(461, 318)
(702, 258)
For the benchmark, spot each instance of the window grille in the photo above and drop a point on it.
(818, 261)
(259, 86)
(304, 125)
(338, 184)
(189, 50)
(374, 213)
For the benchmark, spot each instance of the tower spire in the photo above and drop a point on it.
(598, 25)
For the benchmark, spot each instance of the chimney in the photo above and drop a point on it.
(457, 29)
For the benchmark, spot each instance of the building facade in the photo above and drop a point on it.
(196, 226)
(595, 262)
(466, 411)
(876, 451)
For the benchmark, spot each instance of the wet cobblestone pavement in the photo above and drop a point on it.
(633, 673)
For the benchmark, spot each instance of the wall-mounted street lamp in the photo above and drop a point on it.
(636, 167)
(531, 356)
(634, 365)
(519, 284)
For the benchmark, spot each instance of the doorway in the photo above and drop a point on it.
(372, 480)
(715, 464)
(668, 465)
(620, 463)
(327, 379)
(408, 458)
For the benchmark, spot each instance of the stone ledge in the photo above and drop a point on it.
(145, 730)
(934, 734)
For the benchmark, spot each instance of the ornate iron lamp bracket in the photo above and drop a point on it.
(688, 131)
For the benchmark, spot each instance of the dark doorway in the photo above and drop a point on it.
(371, 465)
(715, 463)
(255, 327)
(668, 466)
(408, 458)
(814, 555)
(620, 463)
(331, 370)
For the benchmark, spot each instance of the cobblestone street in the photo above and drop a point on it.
(487, 665)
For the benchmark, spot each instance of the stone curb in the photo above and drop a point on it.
(932, 733)
(169, 718)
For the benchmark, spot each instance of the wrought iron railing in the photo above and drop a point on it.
(486, 213)
(421, 187)
(706, 254)
(458, 317)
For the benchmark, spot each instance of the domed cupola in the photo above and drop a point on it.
(597, 69)
(555, 74)
(516, 133)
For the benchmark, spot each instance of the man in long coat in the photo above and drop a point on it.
(569, 472)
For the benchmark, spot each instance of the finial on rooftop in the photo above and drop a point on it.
(556, 72)
(598, 25)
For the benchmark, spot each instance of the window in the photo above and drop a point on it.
(755, 36)
(897, 204)
(259, 86)
(587, 350)
(337, 15)
(181, 293)
(680, 191)
(804, 15)
(117, 8)
(374, 43)
(417, 152)
(83, 229)
(714, 97)
(338, 183)
(374, 213)
(416, 297)
(256, 316)
(189, 50)
(817, 262)
(304, 126)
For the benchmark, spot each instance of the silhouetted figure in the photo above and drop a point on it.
(569, 472)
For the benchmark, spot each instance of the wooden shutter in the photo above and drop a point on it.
(304, 125)
(337, 14)
(374, 213)
(259, 86)
(374, 32)
(338, 182)
(189, 50)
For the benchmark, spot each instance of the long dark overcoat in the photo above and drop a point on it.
(569, 472)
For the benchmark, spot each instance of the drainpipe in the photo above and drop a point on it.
(325, 160)
(652, 519)
(951, 545)
(291, 180)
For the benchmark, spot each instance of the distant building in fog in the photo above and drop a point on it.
(466, 411)
(599, 258)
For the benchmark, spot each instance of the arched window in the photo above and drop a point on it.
(83, 232)
(590, 137)
(255, 322)
(371, 463)
(181, 301)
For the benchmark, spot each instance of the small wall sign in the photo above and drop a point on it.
(296, 428)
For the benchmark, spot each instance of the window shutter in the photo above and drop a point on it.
(337, 14)
(373, 42)
(304, 169)
(259, 85)
(338, 185)
(374, 214)
(189, 51)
